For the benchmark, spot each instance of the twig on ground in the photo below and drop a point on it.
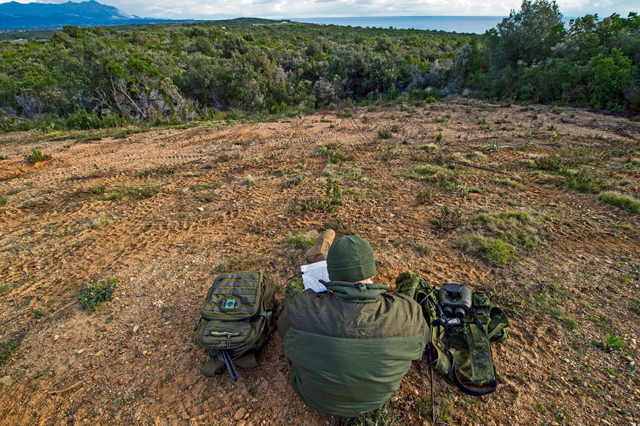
(72, 387)
(190, 384)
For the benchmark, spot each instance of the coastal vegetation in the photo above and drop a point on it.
(87, 78)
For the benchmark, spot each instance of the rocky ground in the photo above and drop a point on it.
(162, 211)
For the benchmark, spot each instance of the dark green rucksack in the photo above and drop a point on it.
(237, 318)
(463, 324)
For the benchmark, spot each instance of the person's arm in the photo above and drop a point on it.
(283, 321)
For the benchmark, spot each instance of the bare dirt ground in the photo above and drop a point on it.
(160, 211)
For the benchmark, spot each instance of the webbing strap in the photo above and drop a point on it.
(475, 336)
(498, 329)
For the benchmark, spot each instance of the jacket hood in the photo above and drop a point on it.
(357, 292)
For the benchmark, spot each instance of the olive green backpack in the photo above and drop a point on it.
(236, 321)
(463, 324)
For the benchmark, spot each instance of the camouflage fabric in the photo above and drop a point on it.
(469, 350)
(294, 287)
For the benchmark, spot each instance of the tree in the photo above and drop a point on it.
(529, 34)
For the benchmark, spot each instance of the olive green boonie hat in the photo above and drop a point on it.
(350, 259)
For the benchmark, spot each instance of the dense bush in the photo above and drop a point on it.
(84, 78)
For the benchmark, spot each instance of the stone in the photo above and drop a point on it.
(240, 414)
(6, 380)
(241, 423)
(555, 424)
(56, 337)
(136, 328)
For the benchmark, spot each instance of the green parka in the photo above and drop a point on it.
(350, 347)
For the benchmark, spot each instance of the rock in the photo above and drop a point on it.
(394, 398)
(239, 414)
(136, 328)
(6, 380)
(56, 337)
(241, 423)
(80, 351)
(555, 424)
(201, 209)
(144, 352)
(627, 358)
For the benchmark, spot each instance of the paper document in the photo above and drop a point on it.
(311, 274)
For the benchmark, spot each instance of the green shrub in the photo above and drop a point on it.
(623, 201)
(3, 200)
(92, 296)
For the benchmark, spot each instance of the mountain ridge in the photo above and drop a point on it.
(14, 15)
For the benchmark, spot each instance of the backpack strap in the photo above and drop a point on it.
(232, 369)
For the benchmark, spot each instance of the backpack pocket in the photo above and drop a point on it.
(234, 296)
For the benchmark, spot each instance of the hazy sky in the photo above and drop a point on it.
(212, 9)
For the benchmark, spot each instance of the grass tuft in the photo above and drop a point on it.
(495, 251)
(37, 156)
(619, 200)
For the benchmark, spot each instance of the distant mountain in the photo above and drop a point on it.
(14, 15)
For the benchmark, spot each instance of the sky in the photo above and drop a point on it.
(283, 9)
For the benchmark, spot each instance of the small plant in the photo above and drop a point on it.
(3, 200)
(38, 314)
(424, 195)
(3, 157)
(37, 156)
(492, 146)
(385, 134)
(395, 128)
(372, 108)
(381, 416)
(365, 119)
(582, 182)
(439, 137)
(623, 201)
(288, 183)
(449, 219)
(332, 153)
(482, 121)
(92, 296)
(634, 306)
(9, 348)
(613, 342)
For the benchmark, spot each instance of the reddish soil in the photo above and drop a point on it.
(161, 210)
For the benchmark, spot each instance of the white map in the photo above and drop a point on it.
(311, 274)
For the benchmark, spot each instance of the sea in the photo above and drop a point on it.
(457, 24)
